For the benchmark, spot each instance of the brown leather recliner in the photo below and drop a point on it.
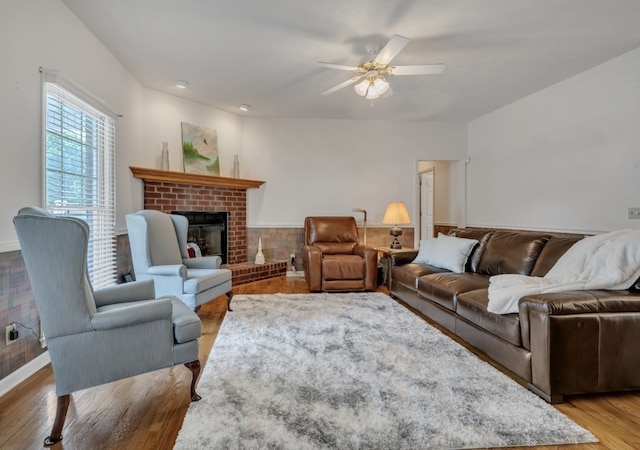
(333, 258)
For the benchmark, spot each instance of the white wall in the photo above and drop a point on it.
(310, 166)
(329, 167)
(162, 119)
(163, 115)
(35, 33)
(566, 158)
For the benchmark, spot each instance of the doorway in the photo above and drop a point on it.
(439, 193)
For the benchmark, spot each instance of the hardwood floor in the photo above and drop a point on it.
(146, 411)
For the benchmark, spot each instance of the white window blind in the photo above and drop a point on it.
(79, 172)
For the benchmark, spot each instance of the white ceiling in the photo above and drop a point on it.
(265, 52)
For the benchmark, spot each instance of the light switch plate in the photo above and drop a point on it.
(634, 213)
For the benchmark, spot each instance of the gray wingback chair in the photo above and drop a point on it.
(159, 251)
(96, 337)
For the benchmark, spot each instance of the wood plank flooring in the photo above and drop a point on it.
(146, 411)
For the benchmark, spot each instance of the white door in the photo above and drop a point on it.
(426, 204)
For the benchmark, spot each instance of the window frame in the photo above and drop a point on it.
(86, 132)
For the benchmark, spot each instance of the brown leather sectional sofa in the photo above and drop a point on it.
(565, 343)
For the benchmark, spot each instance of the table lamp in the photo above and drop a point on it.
(396, 214)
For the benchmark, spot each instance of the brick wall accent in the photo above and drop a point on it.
(167, 197)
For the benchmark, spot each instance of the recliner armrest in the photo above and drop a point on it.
(312, 262)
(169, 270)
(370, 256)
(362, 250)
(203, 262)
(127, 292)
(133, 314)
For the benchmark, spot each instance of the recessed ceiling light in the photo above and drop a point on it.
(182, 84)
(244, 107)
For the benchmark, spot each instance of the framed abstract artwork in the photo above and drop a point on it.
(200, 150)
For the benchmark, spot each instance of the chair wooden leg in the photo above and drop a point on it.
(229, 296)
(61, 415)
(194, 367)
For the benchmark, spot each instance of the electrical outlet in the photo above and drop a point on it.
(8, 331)
(634, 213)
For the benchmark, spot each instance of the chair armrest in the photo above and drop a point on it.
(127, 292)
(134, 314)
(172, 270)
(203, 262)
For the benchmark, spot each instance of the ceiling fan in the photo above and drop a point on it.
(370, 73)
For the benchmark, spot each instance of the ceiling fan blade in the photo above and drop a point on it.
(342, 85)
(339, 66)
(391, 49)
(421, 69)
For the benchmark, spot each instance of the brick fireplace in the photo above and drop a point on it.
(168, 197)
(169, 191)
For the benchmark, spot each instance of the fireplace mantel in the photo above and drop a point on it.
(168, 176)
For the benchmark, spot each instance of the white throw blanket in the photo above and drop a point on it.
(606, 261)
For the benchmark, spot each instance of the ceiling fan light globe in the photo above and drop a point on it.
(372, 93)
(381, 85)
(362, 87)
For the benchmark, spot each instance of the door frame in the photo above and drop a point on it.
(423, 203)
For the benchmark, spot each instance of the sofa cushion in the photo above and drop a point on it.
(473, 307)
(443, 288)
(408, 274)
(511, 252)
(551, 252)
(482, 236)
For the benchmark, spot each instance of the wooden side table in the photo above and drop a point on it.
(385, 262)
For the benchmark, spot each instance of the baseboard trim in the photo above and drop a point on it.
(15, 378)
(297, 273)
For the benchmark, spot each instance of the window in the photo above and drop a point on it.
(79, 179)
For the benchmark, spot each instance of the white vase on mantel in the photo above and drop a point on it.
(259, 255)
(164, 156)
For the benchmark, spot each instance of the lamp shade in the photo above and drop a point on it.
(396, 214)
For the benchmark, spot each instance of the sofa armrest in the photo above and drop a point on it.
(402, 256)
(581, 341)
(581, 302)
(574, 302)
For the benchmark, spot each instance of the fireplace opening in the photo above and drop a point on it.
(208, 230)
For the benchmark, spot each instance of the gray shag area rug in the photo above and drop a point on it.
(356, 371)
